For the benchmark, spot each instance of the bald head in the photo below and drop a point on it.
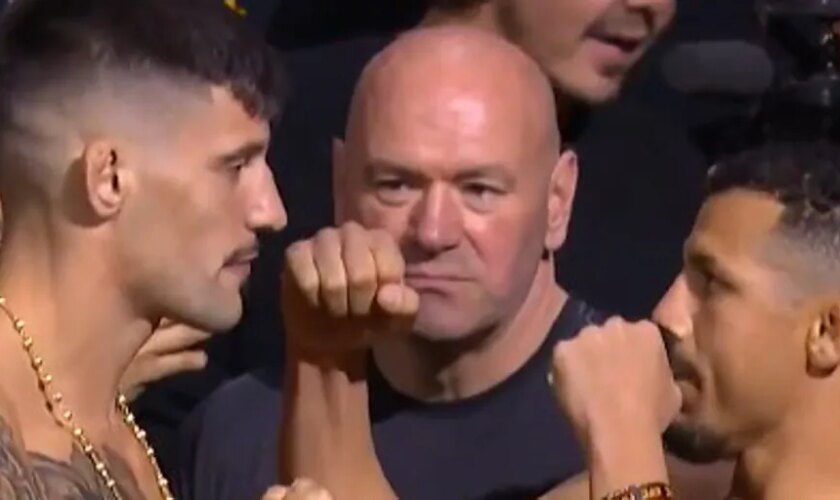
(462, 75)
(452, 148)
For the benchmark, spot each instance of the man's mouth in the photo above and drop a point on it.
(240, 262)
(243, 257)
(625, 43)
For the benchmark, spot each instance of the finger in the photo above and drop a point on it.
(174, 338)
(276, 493)
(331, 271)
(302, 273)
(360, 267)
(165, 323)
(390, 265)
(162, 367)
(306, 489)
(398, 300)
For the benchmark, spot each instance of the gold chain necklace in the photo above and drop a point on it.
(64, 417)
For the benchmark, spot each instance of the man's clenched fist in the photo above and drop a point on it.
(616, 377)
(342, 287)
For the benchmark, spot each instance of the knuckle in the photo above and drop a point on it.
(614, 323)
(334, 285)
(561, 351)
(352, 227)
(326, 235)
(298, 249)
(307, 282)
(381, 239)
(361, 277)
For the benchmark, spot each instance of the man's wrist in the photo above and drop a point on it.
(622, 453)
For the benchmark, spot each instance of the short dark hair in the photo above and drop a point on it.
(802, 176)
(40, 40)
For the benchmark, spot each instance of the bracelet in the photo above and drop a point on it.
(647, 491)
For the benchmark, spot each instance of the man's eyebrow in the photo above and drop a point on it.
(245, 151)
(488, 170)
(698, 255)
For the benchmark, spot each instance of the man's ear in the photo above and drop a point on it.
(106, 178)
(339, 178)
(563, 185)
(823, 341)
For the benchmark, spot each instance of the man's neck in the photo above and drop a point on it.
(79, 326)
(799, 461)
(416, 370)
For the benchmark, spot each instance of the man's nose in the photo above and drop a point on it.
(266, 211)
(438, 222)
(674, 311)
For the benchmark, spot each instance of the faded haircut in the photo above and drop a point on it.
(65, 48)
(805, 178)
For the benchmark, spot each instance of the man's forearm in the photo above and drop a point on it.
(326, 430)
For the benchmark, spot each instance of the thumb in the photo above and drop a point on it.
(397, 299)
(398, 304)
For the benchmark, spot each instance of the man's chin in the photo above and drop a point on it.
(221, 317)
(593, 89)
(695, 443)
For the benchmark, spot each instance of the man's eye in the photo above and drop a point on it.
(391, 184)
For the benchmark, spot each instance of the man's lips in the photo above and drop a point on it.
(433, 281)
(433, 276)
(242, 257)
(627, 41)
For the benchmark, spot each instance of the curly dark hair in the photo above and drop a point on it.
(42, 41)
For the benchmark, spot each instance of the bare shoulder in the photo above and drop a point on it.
(17, 478)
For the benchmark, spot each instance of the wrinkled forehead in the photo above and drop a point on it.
(463, 121)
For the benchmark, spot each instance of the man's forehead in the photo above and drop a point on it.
(735, 224)
(466, 128)
(221, 122)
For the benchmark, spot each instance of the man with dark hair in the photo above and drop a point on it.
(755, 315)
(134, 183)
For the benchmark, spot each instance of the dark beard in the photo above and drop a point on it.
(695, 444)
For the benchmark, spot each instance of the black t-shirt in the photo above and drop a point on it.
(511, 442)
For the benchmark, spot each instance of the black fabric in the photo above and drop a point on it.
(511, 442)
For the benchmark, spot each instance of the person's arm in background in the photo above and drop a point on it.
(340, 289)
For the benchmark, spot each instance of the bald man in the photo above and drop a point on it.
(451, 189)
